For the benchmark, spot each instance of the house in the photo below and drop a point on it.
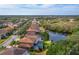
(2, 33)
(71, 20)
(5, 31)
(28, 41)
(32, 35)
(13, 51)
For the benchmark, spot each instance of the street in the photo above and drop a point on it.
(7, 42)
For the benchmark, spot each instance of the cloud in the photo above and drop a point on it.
(36, 6)
(7, 6)
(39, 9)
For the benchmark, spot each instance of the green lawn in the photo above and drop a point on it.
(2, 40)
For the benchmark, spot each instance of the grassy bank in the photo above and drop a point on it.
(68, 46)
(3, 40)
(65, 47)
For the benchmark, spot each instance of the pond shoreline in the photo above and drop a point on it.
(67, 33)
(56, 36)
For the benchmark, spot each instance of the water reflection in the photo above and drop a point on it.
(53, 36)
(38, 44)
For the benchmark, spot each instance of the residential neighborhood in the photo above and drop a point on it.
(39, 29)
(31, 38)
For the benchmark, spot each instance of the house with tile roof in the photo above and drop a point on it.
(31, 36)
(13, 51)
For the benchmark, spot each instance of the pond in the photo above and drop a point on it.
(54, 36)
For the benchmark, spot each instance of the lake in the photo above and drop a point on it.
(54, 36)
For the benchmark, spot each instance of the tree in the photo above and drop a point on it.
(61, 47)
(45, 35)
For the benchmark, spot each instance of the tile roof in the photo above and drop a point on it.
(31, 37)
(26, 45)
(27, 40)
(2, 31)
(34, 27)
(13, 51)
(5, 30)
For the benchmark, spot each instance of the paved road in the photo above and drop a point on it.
(7, 42)
(26, 53)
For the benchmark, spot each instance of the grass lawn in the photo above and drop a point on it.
(2, 40)
(39, 52)
(1, 49)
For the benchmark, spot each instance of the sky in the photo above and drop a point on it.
(39, 9)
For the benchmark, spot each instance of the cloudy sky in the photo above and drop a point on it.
(39, 9)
